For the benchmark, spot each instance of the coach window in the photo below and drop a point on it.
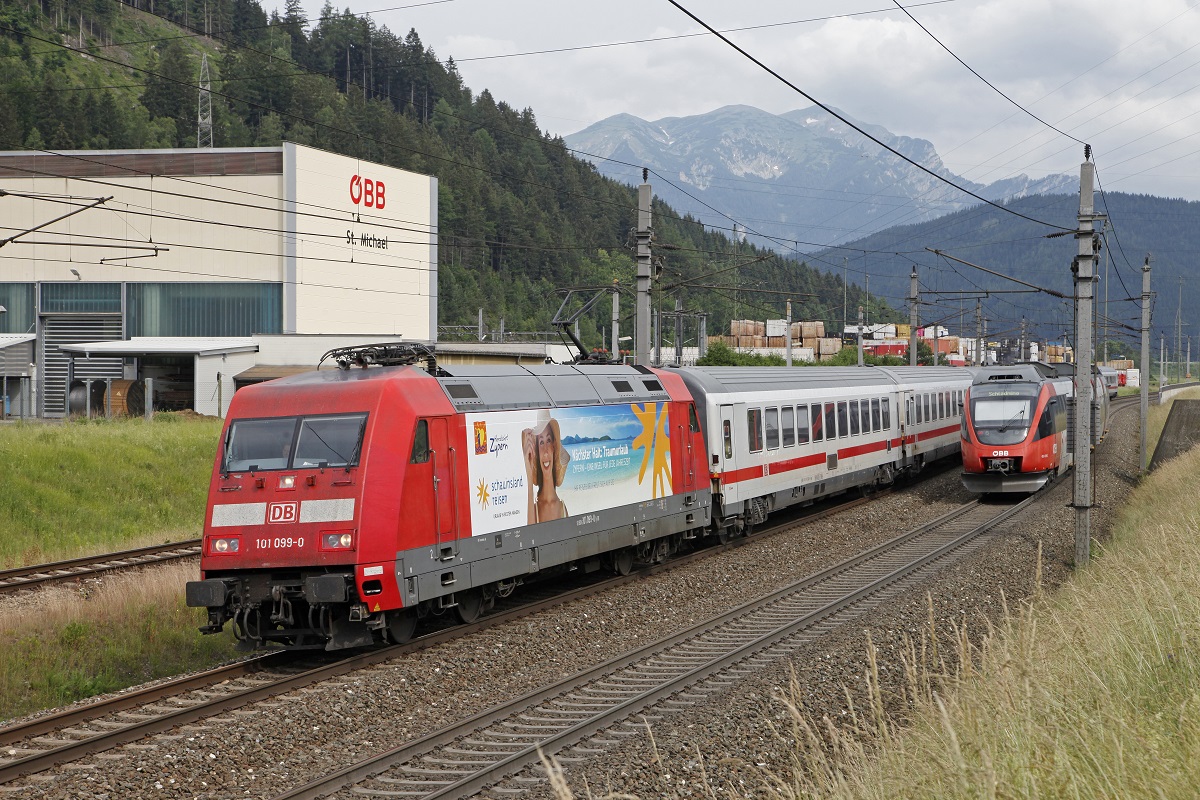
(885, 406)
(831, 429)
(754, 429)
(854, 430)
(917, 404)
(908, 410)
(728, 439)
(876, 422)
(789, 426)
(420, 448)
(843, 425)
(815, 416)
(866, 416)
(941, 406)
(772, 420)
(801, 424)
(928, 416)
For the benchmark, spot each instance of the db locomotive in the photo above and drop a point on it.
(346, 505)
(1016, 426)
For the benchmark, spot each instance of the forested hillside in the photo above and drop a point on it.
(1137, 226)
(520, 217)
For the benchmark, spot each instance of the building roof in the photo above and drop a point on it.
(9, 339)
(138, 163)
(164, 345)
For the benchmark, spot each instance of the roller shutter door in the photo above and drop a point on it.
(73, 329)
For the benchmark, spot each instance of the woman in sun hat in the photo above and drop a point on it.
(545, 465)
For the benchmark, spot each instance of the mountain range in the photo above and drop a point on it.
(803, 180)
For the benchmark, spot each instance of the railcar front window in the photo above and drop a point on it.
(333, 441)
(1002, 416)
(259, 444)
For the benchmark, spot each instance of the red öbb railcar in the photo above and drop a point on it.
(1015, 426)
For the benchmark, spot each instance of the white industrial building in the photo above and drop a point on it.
(182, 265)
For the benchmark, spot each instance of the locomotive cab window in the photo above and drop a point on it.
(420, 448)
(693, 422)
(259, 444)
(333, 441)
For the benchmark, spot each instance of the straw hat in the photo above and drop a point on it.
(561, 458)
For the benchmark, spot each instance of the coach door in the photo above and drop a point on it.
(445, 489)
(905, 413)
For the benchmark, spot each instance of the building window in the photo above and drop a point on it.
(204, 309)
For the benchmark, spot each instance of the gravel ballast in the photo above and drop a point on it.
(266, 748)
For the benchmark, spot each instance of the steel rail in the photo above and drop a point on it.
(534, 732)
(35, 574)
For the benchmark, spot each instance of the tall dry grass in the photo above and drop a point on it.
(68, 643)
(1094, 692)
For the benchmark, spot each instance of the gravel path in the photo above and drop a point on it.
(263, 749)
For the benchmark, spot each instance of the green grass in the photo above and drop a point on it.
(71, 646)
(85, 487)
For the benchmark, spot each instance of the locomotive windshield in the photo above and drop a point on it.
(1003, 413)
(294, 442)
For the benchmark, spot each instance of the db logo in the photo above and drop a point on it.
(283, 512)
(367, 192)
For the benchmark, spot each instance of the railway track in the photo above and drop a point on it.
(86, 566)
(84, 730)
(499, 751)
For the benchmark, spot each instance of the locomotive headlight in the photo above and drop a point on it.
(287, 482)
(226, 546)
(337, 540)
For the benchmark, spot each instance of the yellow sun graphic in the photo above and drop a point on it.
(655, 442)
(482, 494)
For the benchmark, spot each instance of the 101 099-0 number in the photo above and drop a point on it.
(280, 542)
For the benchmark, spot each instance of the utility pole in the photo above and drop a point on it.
(1144, 387)
(845, 293)
(1021, 356)
(935, 343)
(204, 124)
(860, 333)
(678, 331)
(644, 273)
(616, 322)
(1084, 269)
(912, 318)
(789, 332)
(1179, 326)
(979, 333)
(1162, 361)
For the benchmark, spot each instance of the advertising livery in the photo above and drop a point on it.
(528, 467)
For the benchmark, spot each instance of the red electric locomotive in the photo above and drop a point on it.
(344, 504)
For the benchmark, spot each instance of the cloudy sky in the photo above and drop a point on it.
(1123, 77)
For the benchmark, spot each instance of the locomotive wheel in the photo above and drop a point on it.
(402, 623)
(623, 561)
(469, 607)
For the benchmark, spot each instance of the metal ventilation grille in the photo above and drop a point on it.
(53, 362)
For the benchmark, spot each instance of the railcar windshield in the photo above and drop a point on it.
(294, 442)
(1002, 414)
